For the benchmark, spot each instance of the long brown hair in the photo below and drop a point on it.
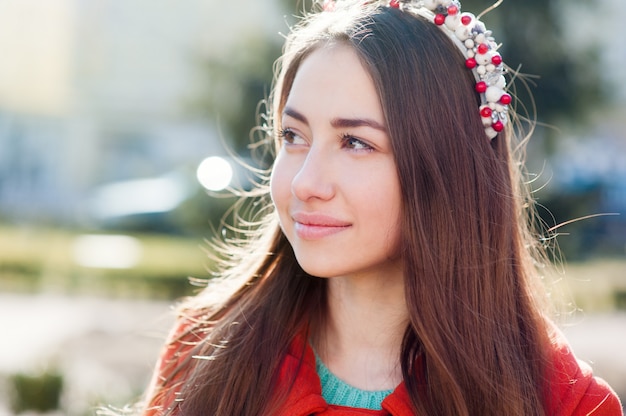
(477, 338)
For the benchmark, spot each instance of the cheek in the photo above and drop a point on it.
(280, 184)
(390, 211)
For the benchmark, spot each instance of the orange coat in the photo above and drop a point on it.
(574, 389)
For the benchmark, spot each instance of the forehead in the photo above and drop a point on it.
(333, 79)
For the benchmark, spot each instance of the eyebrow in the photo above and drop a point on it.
(288, 111)
(338, 122)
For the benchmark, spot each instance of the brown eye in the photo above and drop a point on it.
(353, 143)
(287, 135)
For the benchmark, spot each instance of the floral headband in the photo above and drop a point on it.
(478, 47)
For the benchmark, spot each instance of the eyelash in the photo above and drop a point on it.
(288, 135)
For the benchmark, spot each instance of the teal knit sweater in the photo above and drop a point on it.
(339, 393)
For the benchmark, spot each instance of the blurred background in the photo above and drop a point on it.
(118, 119)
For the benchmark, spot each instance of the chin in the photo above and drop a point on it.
(314, 268)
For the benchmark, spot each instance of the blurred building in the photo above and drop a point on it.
(96, 91)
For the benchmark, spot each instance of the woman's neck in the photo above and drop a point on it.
(361, 338)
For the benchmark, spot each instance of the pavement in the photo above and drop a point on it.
(106, 349)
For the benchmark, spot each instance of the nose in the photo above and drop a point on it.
(314, 178)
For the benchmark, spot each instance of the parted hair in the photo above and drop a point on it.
(477, 327)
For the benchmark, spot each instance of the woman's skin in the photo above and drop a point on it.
(337, 194)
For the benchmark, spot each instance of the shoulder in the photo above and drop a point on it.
(573, 389)
(173, 366)
(188, 331)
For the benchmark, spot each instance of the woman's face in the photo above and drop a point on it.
(334, 183)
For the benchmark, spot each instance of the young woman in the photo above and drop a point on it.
(395, 272)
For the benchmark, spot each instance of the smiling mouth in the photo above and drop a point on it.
(317, 226)
(317, 231)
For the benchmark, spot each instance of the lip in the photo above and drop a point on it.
(314, 226)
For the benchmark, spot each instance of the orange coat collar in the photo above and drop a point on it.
(305, 396)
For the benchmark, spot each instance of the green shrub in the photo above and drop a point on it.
(40, 392)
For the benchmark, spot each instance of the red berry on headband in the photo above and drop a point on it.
(498, 126)
(466, 20)
(496, 59)
(394, 4)
(483, 48)
(440, 19)
(505, 99)
(452, 10)
(481, 87)
(486, 112)
(470, 63)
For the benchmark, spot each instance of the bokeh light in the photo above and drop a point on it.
(214, 173)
